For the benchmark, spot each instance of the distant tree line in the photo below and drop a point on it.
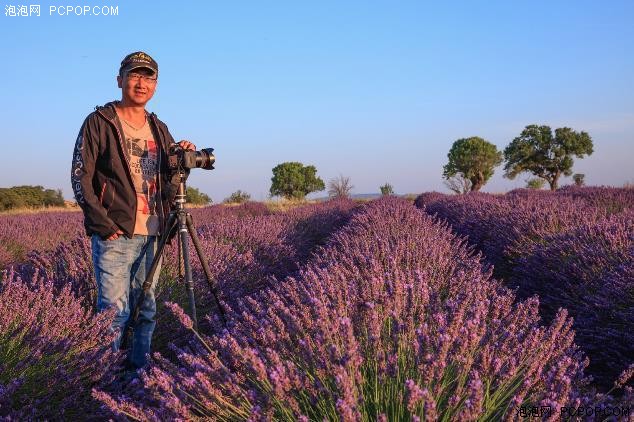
(38, 197)
(30, 197)
(471, 163)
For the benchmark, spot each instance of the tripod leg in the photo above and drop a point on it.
(170, 227)
(203, 262)
(181, 268)
(189, 282)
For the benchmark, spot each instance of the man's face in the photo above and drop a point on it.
(137, 86)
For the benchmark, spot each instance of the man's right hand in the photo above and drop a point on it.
(115, 236)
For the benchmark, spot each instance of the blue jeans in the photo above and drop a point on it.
(121, 266)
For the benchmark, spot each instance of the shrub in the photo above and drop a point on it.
(238, 197)
(386, 189)
(340, 187)
(579, 179)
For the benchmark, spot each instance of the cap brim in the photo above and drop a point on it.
(134, 67)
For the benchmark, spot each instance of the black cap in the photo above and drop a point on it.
(138, 60)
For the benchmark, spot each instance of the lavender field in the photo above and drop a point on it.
(467, 307)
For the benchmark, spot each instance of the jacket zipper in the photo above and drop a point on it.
(158, 176)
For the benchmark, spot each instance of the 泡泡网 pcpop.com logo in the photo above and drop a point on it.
(84, 10)
(568, 413)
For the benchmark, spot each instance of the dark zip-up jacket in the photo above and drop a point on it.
(101, 177)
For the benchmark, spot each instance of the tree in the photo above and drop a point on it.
(238, 197)
(579, 178)
(458, 184)
(535, 183)
(474, 158)
(536, 151)
(195, 197)
(339, 187)
(293, 180)
(386, 189)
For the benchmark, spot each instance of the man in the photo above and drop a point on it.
(121, 182)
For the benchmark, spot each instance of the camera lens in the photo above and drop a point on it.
(205, 159)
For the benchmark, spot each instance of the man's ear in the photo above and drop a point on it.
(119, 81)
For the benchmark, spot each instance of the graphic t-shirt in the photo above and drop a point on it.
(142, 154)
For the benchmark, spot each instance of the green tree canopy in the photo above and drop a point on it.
(474, 158)
(195, 197)
(537, 151)
(293, 180)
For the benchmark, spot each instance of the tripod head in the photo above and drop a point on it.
(180, 161)
(181, 193)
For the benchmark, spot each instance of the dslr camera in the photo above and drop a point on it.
(182, 159)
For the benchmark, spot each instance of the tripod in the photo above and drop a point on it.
(179, 220)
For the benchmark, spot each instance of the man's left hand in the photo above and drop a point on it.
(187, 145)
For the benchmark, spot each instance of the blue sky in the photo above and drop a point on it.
(374, 90)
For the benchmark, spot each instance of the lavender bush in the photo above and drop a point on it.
(68, 265)
(52, 351)
(394, 319)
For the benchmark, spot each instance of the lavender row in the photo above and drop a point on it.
(505, 227)
(52, 352)
(20, 234)
(589, 271)
(394, 319)
(573, 248)
(612, 200)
